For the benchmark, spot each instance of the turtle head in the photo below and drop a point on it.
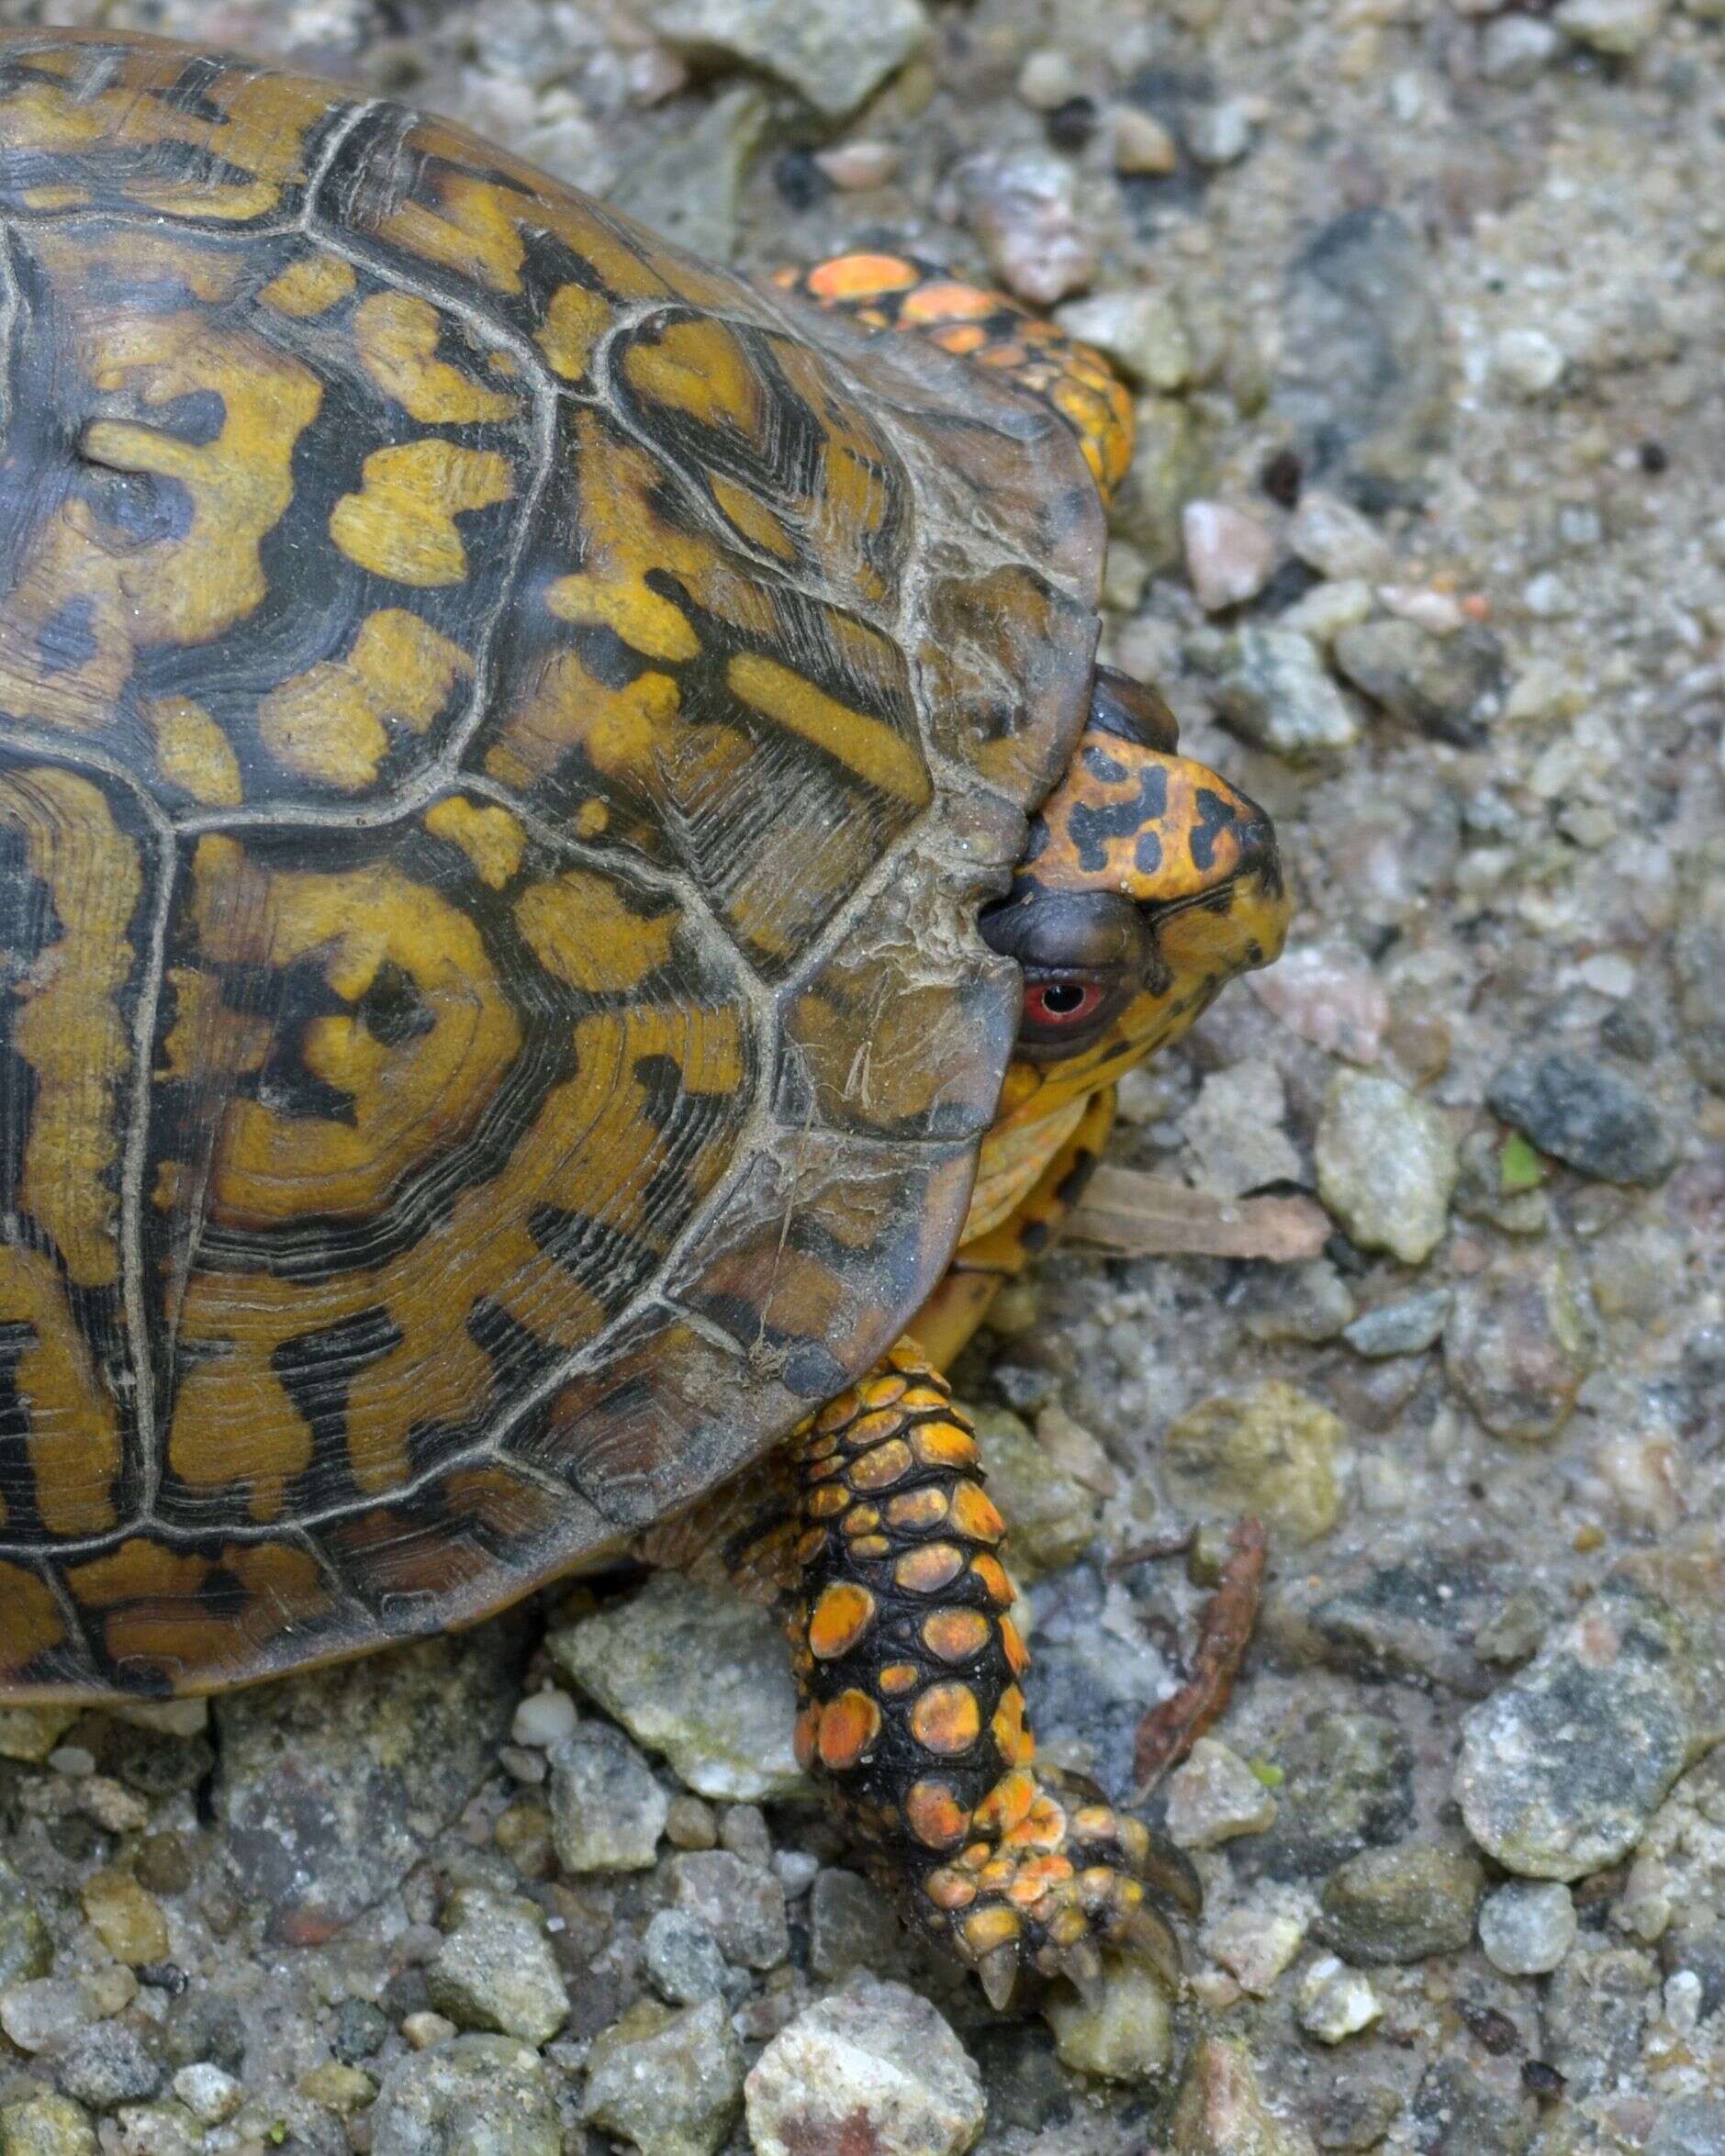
(1149, 882)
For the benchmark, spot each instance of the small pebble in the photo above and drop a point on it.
(1219, 134)
(1047, 79)
(425, 2029)
(1140, 330)
(1387, 1163)
(873, 2065)
(1584, 1113)
(689, 1823)
(1127, 2036)
(1214, 1796)
(1275, 691)
(1404, 1327)
(1525, 1928)
(543, 1719)
(1336, 2002)
(1620, 28)
(1517, 49)
(682, 1959)
(669, 2083)
(1230, 556)
(208, 2094)
(1141, 144)
(1256, 1946)
(1024, 207)
(855, 167)
(1331, 536)
(1528, 361)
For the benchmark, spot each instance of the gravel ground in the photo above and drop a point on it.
(1423, 300)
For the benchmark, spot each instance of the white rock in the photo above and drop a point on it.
(1336, 2002)
(1256, 1945)
(1230, 556)
(1126, 2035)
(1527, 1929)
(1620, 27)
(1528, 362)
(1331, 536)
(1141, 144)
(1047, 79)
(1322, 613)
(1235, 1130)
(1214, 1796)
(1387, 1163)
(1140, 330)
(543, 1719)
(208, 2092)
(873, 2062)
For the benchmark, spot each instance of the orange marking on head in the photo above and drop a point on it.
(861, 277)
(928, 1570)
(849, 1726)
(934, 1816)
(842, 1615)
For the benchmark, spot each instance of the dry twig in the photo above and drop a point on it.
(1139, 1216)
(1169, 1731)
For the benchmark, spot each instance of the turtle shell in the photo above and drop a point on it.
(504, 733)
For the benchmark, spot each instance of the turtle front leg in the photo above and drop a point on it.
(907, 1667)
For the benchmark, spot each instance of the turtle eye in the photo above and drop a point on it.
(1058, 1008)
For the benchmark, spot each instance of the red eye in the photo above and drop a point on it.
(1061, 1004)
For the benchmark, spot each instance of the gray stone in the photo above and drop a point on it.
(1331, 536)
(1697, 958)
(1053, 1516)
(1234, 1131)
(495, 1969)
(852, 1924)
(1275, 692)
(1525, 1928)
(1387, 1165)
(1413, 1614)
(1230, 556)
(1458, 2112)
(1585, 1114)
(1517, 1346)
(682, 1959)
(1166, 471)
(110, 2063)
(689, 185)
(1140, 330)
(742, 1906)
(1405, 1327)
(607, 1808)
(1517, 49)
(1308, 1302)
(834, 56)
(671, 2084)
(333, 1783)
(1220, 2110)
(26, 1949)
(1596, 2009)
(45, 2126)
(42, 2012)
(208, 2094)
(1348, 1784)
(872, 2064)
(475, 2095)
(1617, 27)
(1690, 2126)
(358, 2030)
(1023, 205)
(1214, 1796)
(1401, 1904)
(1125, 2034)
(698, 1674)
(1562, 1770)
(1439, 684)
(1364, 381)
(1272, 1451)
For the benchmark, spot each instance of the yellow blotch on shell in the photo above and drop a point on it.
(581, 930)
(311, 286)
(331, 724)
(33, 1627)
(575, 321)
(872, 750)
(194, 753)
(478, 233)
(397, 334)
(491, 838)
(402, 522)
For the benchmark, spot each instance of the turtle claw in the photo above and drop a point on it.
(998, 1972)
(1168, 1870)
(1151, 1939)
(1082, 1965)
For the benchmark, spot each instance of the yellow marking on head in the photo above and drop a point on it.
(398, 335)
(581, 930)
(402, 522)
(193, 751)
(868, 747)
(575, 321)
(311, 286)
(491, 838)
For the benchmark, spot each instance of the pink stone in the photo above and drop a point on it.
(1328, 994)
(1229, 555)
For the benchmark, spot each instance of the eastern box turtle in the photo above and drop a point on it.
(564, 851)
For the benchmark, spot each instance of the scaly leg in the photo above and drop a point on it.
(908, 1669)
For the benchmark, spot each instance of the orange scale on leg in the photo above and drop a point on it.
(1008, 1802)
(1003, 355)
(993, 1574)
(934, 1816)
(928, 1570)
(932, 1391)
(947, 1719)
(869, 1429)
(882, 1391)
(879, 1470)
(919, 1508)
(1011, 1645)
(849, 1726)
(841, 1617)
(897, 1678)
(977, 1856)
(944, 1444)
(991, 1928)
(974, 1514)
(955, 1634)
(862, 1519)
(871, 1545)
(861, 277)
(804, 1737)
(949, 1889)
(827, 1502)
